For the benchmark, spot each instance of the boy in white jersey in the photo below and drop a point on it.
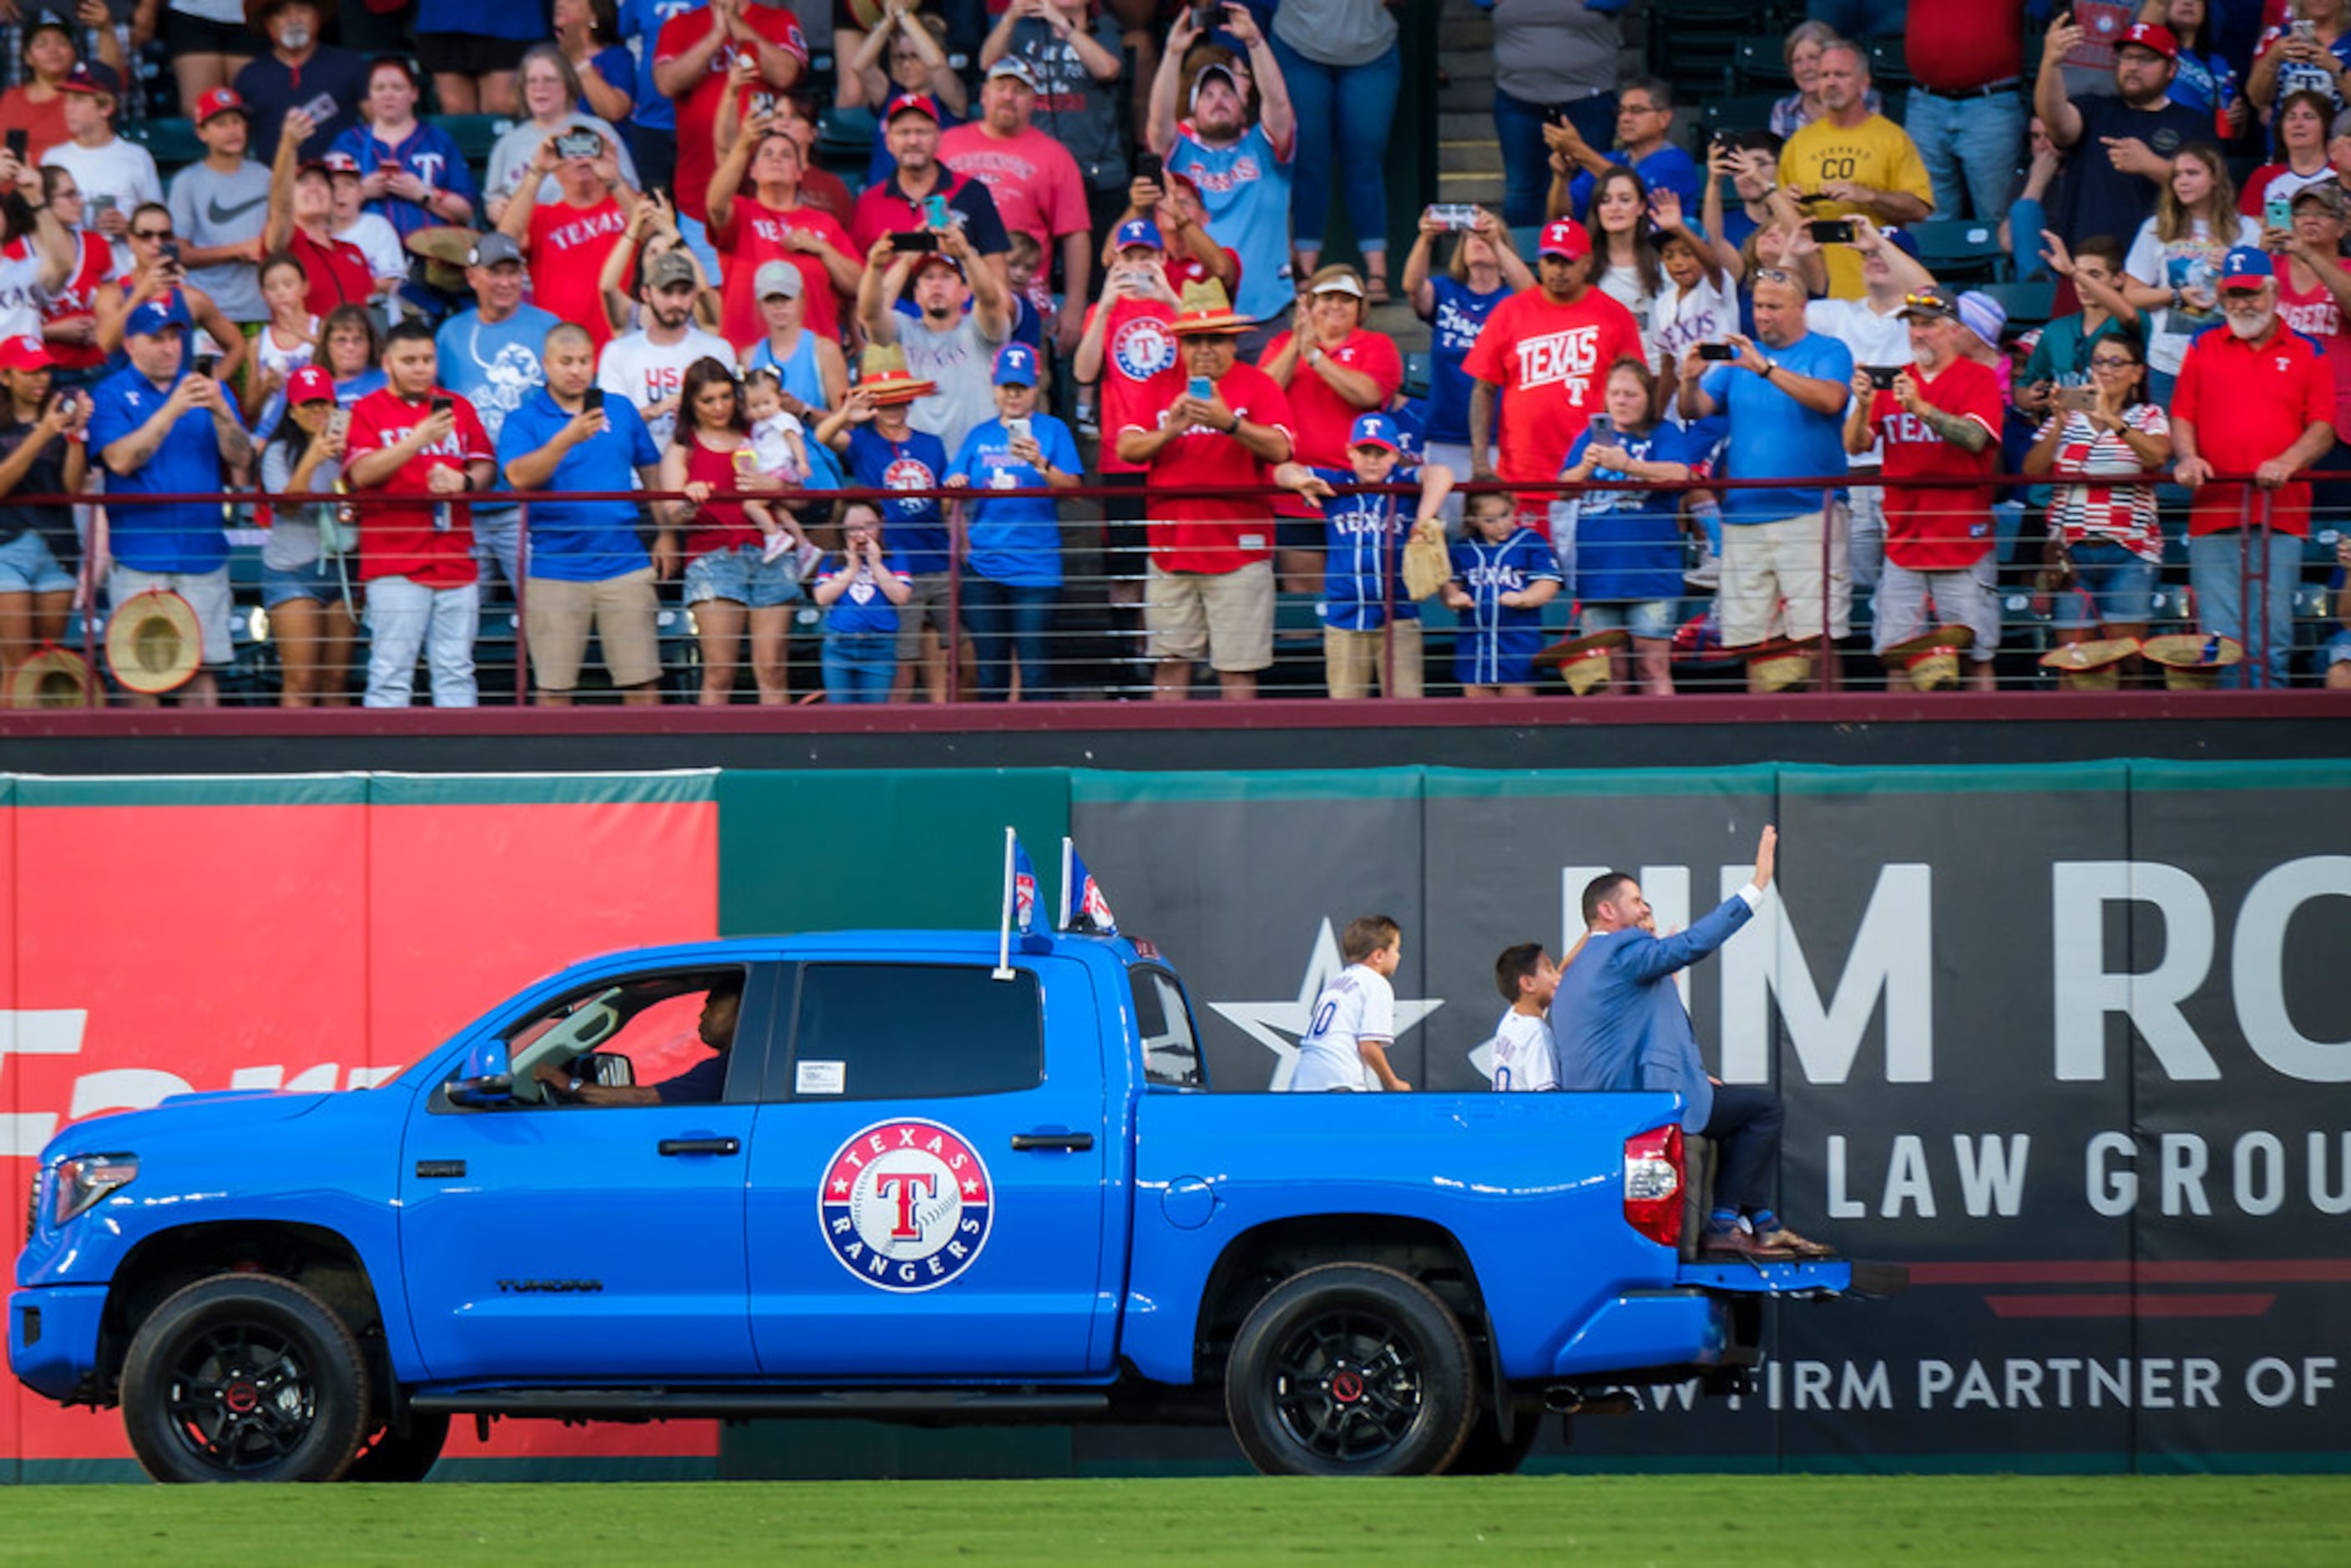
(1346, 1044)
(1523, 1055)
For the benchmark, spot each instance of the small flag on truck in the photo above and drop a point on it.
(1083, 907)
(1019, 901)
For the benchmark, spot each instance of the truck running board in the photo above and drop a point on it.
(978, 1405)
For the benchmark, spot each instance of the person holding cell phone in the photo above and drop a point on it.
(302, 222)
(304, 580)
(564, 241)
(2315, 284)
(923, 194)
(552, 98)
(1073, 51)
(759, 216)
(411, 171)
(1484, 270)
(33, 111)
(948, 344)
(1012, 547)
(2174, 260)
(40, 455)
(1852, 162)
(2106, 539)
(326, 83)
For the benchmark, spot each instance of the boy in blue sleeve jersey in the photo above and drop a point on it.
(1502, 577)
(1370, 624)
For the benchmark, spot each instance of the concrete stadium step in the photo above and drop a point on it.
(1468, 158)
(1483, 188)
(1465, 125)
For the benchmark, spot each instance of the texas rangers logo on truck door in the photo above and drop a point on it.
(906, 1205)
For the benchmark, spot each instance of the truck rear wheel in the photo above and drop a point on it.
(245, 1377)
(1350, 1369)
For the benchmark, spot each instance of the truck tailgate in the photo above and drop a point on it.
(1797, 1277)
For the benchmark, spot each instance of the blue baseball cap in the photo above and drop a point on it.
(1376, 430)
(1140, 231)
(155, 316)
(1015, 366)
(1902, 240)
(2247, 267)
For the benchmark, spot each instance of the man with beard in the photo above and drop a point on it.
(1940, 420)
(1851, 163)
(648, 366)
(1239, 166)
(489, 357)
(2256, 399)
(299, 72)
(945, 344)
(2122, 146)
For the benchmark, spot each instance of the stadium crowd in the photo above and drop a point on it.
(1085, 250)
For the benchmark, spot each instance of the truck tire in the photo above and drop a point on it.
(390, 1457)
(245, 1377)
(1350, 1369)
(1484, 1453)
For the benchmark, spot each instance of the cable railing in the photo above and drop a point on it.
(1088, 640)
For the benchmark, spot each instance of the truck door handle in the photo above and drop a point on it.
(702, 1145)
(1070, 1141)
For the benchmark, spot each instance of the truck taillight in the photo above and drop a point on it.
(1653, 1184)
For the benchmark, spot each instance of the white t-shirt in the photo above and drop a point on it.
(1525, 1057)
(646, 372)
(1623, 284)
(20, 296)
(772, 452)
(1875, 339)
(1356, 1005)
(122, 170)
(1679, 318)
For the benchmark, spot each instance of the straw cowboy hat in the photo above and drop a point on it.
(445, 247)
(1780, 663)
(1932, 658)
(1203, 309)
(1583, 660)
(2093, 666)
(154, 643)
(52, 677)
(883, 375)
(2193, 662)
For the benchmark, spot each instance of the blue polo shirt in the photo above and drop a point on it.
(915, 528)
(1774, 436)
(582, 541)
(1018, 541)
(1363, 557)
(181, 537)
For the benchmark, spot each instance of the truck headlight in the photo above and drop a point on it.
(84, 1180)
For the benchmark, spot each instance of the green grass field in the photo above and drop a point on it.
(1617, 1520)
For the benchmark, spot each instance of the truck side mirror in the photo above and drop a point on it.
(487, 1079)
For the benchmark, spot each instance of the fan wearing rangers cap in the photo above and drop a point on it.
(1240, 165)
(898, 204)
(945, 343)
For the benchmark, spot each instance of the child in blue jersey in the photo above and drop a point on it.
(1628, 543)
(860, 612)
(1502, 577)
(1371, 627)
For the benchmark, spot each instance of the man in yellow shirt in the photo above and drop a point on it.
(1850, 160)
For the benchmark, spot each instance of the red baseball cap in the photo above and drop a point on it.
(23, 353)
(309, 384)
(220, 100)
(911, 103)
(1564, 237)
(2151, 35)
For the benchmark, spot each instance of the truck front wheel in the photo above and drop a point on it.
(1350, 1369)
(245, 1377)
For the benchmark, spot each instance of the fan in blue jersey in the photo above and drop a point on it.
(1627, 554)
(1371, 627)
(1502, 577)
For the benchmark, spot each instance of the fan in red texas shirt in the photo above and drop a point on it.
(302, 224)
(1544, 355)
(1333, 370)
(774, 221)
(1940, 419)
(693, 58)
(567, 242)
(413, 437)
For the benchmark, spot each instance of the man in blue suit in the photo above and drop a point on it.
(1619, 1024)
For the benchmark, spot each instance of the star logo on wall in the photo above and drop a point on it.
(1276, 1025)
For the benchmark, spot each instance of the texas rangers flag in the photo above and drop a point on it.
(1083, 907)
(1024, 890)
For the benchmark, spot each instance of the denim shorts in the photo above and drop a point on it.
(318, 580)
(27, 565)
(2112, 587)
(739, 575)
(1652, 618)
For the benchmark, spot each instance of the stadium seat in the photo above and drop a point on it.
(1416, 368)
(2027, 304)
(1738, 112)
(1889, 66)
(1760, 62)
(475, 134)
(845, 136)
(173, 143)
(1958, 250)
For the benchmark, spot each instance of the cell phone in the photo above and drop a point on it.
(763, 103)
(64, 405)
(1717, 353)
(1830, 231)
(321, 108)
(1200, 389)
(444, 405)
(1601, 426)
(99, 201)
(338, 423)
(204, 364)
(1016, 429)
(1457, 217)
(912, 243)
(1556, 115)
(20, 141)
(1150, 166)
(389, 166)
(1882, 376)
(2303, 27)
(168, 251)
(2077, 400)
(579, 144)
(1206, 17)
(935, 213)
(2277, 212)
(593, 401)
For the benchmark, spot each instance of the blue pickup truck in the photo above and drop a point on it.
(881, 1176)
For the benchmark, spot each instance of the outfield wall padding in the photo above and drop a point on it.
(2072, 1042)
